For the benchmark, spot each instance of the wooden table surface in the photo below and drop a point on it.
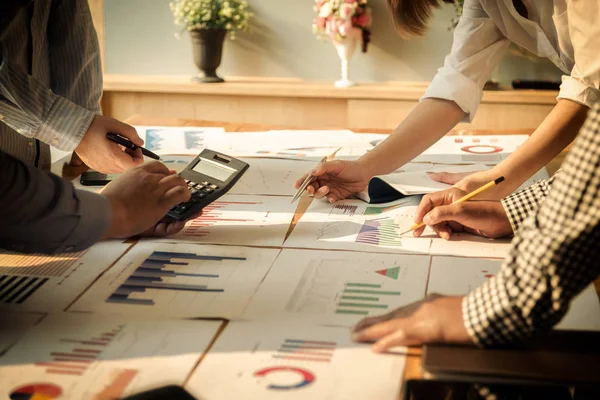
(413, 368)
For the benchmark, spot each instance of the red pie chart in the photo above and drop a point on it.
(36, 391)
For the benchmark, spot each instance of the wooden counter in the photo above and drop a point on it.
(303, 104)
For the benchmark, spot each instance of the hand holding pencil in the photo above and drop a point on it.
(483, 218)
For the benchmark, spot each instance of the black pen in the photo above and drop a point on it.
(123, 141)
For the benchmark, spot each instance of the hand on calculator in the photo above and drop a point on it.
(141, 197)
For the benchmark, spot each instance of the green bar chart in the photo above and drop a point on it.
(360, 298)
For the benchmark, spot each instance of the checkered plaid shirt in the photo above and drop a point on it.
(555, 253)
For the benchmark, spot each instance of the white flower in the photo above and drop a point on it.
(326, 10)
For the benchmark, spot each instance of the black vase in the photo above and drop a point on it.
(208, 50)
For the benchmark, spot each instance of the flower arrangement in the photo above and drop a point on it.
(340, 19)
(231, 15)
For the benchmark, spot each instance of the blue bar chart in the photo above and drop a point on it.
(156, 272)
(179, 280)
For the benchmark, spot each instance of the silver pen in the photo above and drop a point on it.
(310, 178)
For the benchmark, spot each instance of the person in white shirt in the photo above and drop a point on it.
(564, 31)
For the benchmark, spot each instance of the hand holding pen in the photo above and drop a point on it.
(445, 216)
(103, 155)
(123, 141)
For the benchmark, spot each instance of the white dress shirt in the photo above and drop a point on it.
(566, 32)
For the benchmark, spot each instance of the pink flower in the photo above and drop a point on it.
(320, 22)
(347, 10)
(351, 1)
(345, 28)
(331, 28)
(364, 20)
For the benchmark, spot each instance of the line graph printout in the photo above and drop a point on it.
(182, 140)
(270, 176)
(179, 280)
(455, 276)
(338, 288)
(481, 149)
(352, 225)
(311, 145)
(240, 220)
(35, 282)
(95, 357)
(253, 360)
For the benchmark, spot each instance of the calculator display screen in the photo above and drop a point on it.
(213, 169)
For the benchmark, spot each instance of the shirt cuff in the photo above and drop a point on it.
(95, 214)
(65, 124)
(574, 89)
(449, 84)
(485, 314)
(518, 206)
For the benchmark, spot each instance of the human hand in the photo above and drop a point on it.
(435, 319)
(140, 199)
(482, 218)
(337, 180)
(102, 155)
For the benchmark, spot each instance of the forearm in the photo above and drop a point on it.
(33, 110)
(555, 133)
(42, 213)
(425, 125)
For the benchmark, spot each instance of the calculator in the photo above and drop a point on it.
(209, 176)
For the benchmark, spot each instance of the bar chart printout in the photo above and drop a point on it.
(79, 356)
(179, 280)
(361, 298)
(240, 220)
(337, 288)
(257, 360)
(351, 225)
(154, 274)
(49, 283)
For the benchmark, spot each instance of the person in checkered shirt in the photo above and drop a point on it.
(555, 254)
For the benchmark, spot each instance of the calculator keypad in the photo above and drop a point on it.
(198, 192)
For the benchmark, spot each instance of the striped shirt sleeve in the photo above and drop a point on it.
(554, 255)
(33, 110)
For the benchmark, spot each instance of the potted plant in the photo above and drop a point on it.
(208, 22)
(345, 22)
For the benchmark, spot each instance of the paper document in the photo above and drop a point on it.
(239, 220)
(182, 140)
(294, 361)
(179, 280)
(36, 282)
(352, 225)
(481, 149)
(268, 176)
(455, 276)
(13, 325)
(300, 145)
(76, 356)
(337, 287)
(468, 245)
